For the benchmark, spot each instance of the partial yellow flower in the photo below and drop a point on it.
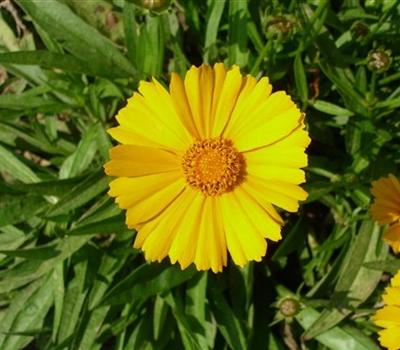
(201, 166)
(389, 316)
(386, 208)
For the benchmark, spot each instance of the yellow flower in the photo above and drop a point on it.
(389, 316)
(201, 166)
(386, 208)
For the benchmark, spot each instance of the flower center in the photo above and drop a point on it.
(213, 166)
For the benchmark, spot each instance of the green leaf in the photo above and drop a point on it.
(12, 165)
(80, 160)
(31, 104)
(196, 308)
(300, 79)
(21, 208)
(109, 225)
(59, 288)
(237, 42)
(11, 238)
(227, 322)
(148, 280)
(79, 195)
(53, 60)
(75, 296)
(191, 330)
(79, 38)
(37, 253)
(338, 77)
(330, 108)
(92, 328)
(56, 188)
(337, 337)
(391, 266)
(29, 271)
(214, 15)
(27, 312)
(151, 47)
(356, 283)
(291, 240)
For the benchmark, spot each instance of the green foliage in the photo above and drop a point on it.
(69, 277)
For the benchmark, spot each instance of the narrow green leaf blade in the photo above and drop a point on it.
(79, 38)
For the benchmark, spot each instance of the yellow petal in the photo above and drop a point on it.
(392, 237)
(390, 338)
(388, 316)
(383, 214)
(130, 160)
(183, 249)
(251, 96)
(159, 102)
(275, 173)
(181, 104)
(395, 184)
(386, 191)
(131, 191)
(283, 195)
(224, 100)
(151, 206)
(156, 236)
(151, 115)
(243, 237)
(395, 281)
(272, 131)
(211, 250)
(293, 157)
(130, 137)
(269, 227)
(271, 120)
(195, 98)
(392, 296)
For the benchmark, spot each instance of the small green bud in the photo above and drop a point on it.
(359, 30)
(279, 26)
(379, 60)
(289, 307)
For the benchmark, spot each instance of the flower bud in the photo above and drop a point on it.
(279, 26)
(153, 5)
(359, 30)
(289, 307)
(379, 60)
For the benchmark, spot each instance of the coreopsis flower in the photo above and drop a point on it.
(386, 208)
(200, 166)
(388, 317)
